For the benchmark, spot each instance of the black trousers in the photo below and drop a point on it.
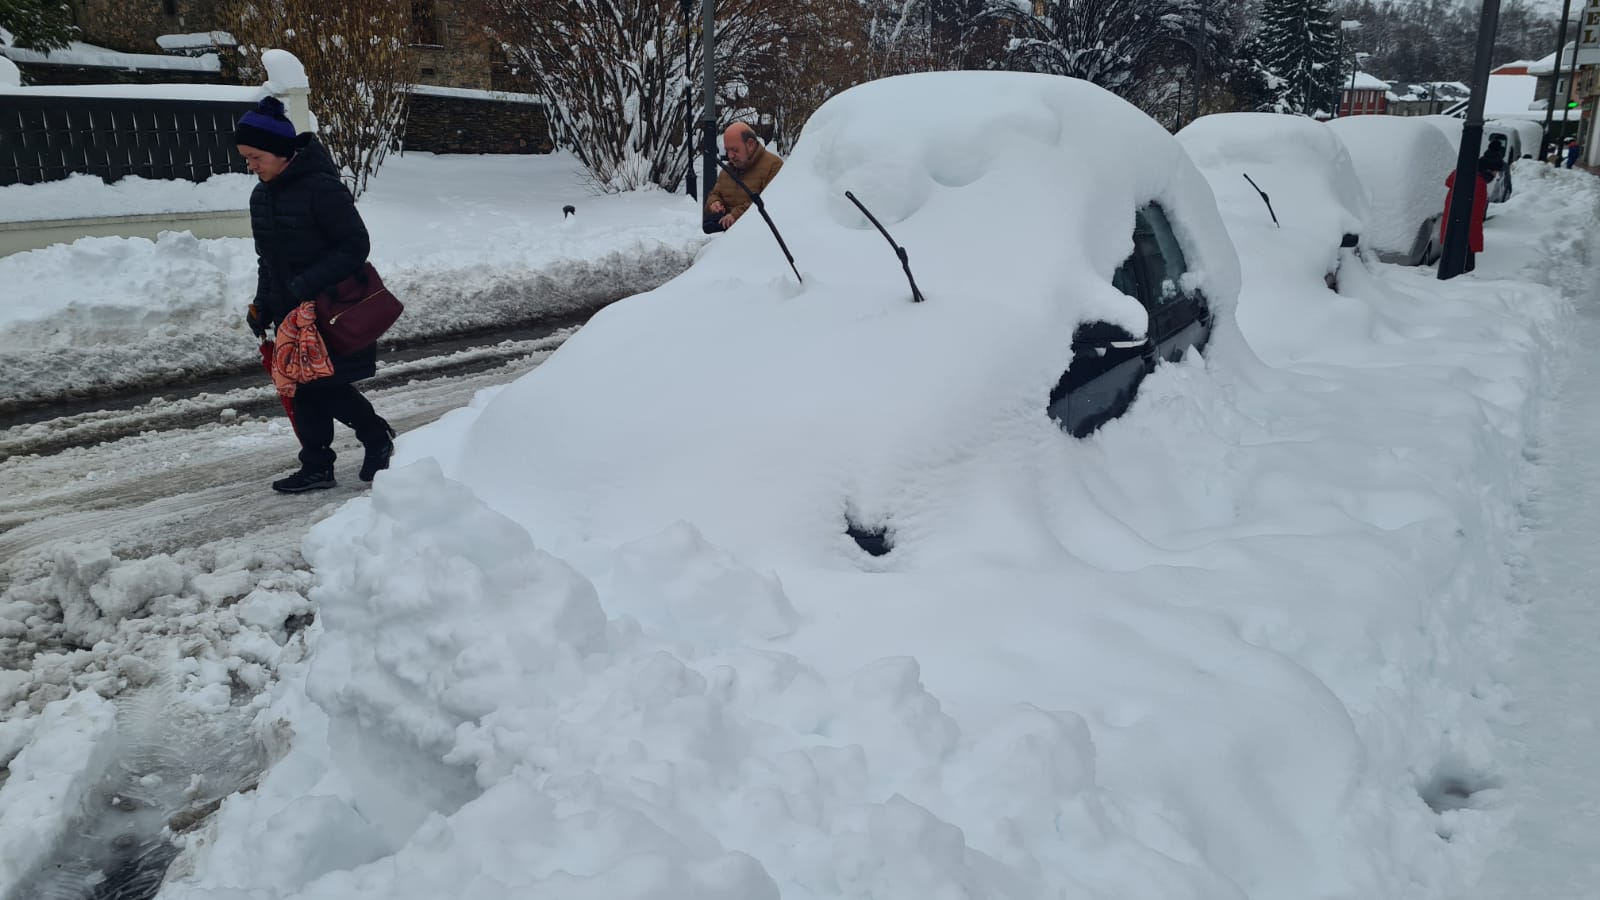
(317, 405)
(1472, 261)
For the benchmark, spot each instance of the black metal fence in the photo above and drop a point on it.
(47, 138)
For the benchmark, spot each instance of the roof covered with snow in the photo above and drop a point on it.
(1509, 94)
(1431, 90)
(1364, 82)
(1589, 56)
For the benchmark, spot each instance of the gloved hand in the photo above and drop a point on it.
(257, 323)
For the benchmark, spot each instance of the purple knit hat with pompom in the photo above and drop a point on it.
(267, 128)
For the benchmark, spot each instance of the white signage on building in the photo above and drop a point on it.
(1589, 27)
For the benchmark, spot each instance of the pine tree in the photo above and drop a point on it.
(1300, 46)
(37, 24)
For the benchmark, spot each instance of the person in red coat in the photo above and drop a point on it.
(1480, 207)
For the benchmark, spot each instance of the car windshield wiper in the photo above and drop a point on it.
(1264, 198)
(761, 207)
(905, 261)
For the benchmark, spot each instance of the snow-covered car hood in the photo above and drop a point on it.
(766, 412)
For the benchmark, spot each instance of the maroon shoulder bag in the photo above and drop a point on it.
(354, 313)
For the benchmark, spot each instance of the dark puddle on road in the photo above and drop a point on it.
(174, 768)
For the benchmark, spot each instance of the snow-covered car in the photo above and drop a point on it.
(1403, 162)
(1289, 183)
(1529, 135)
(1055, 276)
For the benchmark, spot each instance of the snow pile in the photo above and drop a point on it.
(77, 53)
(284, 72)
(467, 242)
(82, 196)
(200, 40)
(1449, 126)
(1403, 163)
(69, 751)
(85, 620)
(1239, 643)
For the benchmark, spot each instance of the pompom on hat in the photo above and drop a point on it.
(267, 127)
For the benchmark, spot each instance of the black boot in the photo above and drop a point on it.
(306, 479)
(378, 453)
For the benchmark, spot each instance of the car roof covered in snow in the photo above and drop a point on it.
(762, 409)
(1403, 162)
(1302, 167)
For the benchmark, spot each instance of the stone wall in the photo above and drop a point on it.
(132, 26)
(471, 125)
(450, 51)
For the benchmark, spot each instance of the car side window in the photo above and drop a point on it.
(1129, 277)
(1165, 265)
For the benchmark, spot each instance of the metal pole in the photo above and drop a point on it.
(1336, 105)
(1202, 53)
(1572, 81)
(1355, 63)
(689, 185)
(1458, 217)
(1555, 77)
(708, 116)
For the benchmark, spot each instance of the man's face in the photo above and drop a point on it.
(740, 151)
(264, 165)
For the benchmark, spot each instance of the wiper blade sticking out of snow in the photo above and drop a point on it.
(761, 207)
(1264, 198)
(905, 262)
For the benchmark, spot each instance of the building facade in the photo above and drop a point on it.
(1364, 95)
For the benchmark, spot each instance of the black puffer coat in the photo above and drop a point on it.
(309, 237)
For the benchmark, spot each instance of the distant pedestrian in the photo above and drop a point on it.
(756, 166)
(308, 237)
(1574, 150)
(1480, 208)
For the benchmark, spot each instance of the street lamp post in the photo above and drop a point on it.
(689, 186)
(1458, 217)
(1555, 76)
(708, 115)
(1572, 80)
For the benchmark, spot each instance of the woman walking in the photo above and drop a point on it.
(309, 237)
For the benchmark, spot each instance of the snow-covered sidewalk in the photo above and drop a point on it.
(1550, 780)
(468, 242)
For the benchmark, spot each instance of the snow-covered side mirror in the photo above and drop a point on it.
(1105, 335)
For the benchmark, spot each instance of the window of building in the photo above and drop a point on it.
(424, 23)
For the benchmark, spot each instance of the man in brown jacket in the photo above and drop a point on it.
(756, 165)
